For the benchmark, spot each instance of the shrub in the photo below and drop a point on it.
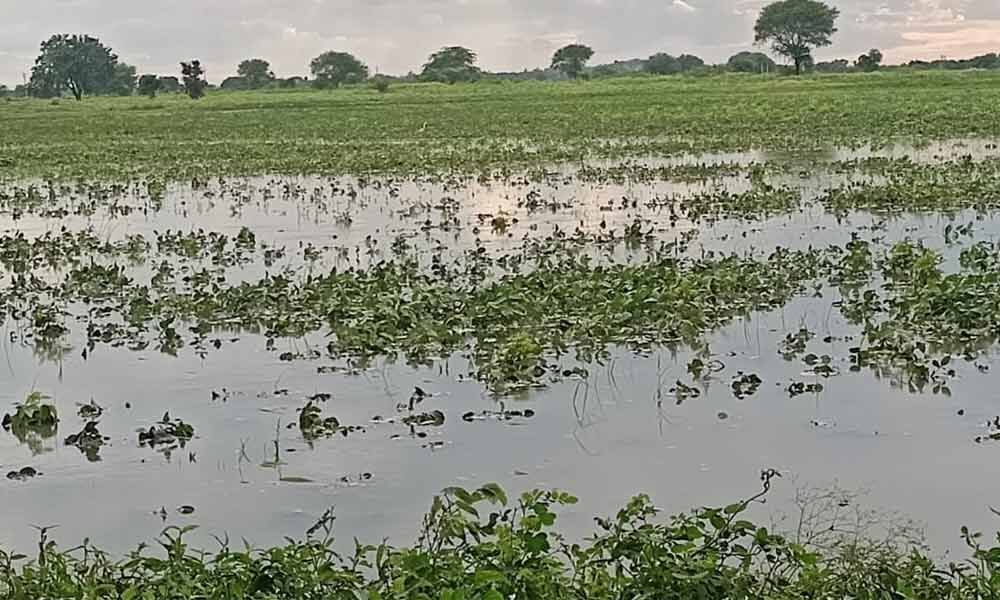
(477, 544)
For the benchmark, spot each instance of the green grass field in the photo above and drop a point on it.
(478, 127)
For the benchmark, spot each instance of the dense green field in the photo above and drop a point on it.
(415, 128)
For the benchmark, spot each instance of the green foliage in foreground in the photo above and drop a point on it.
(483, 126)
(477, 545)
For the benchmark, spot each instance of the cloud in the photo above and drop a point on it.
(961, 39)
(929, 29)
(682, 6)
(395, 36)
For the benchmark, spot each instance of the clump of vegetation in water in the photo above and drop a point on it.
(909, 187)
(166, 433)
(89, 441)
(32, 421)
(314, 425)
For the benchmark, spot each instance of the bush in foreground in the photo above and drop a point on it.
(513, 552)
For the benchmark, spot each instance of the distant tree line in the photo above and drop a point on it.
(983, 61)
(80, 65)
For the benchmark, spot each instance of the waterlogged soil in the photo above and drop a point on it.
(688, 419)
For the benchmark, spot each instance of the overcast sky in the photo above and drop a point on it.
(395, 36)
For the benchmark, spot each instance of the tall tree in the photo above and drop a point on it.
(149, 85)
(194, 79)
(451, 64)
(869, 62)
(256, 72)
(795, 27)
(123, 80)
(662, 64)
(572, 59)
(333, 69)
(78, 63)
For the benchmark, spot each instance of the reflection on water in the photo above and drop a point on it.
(605, 436)
(614, 433)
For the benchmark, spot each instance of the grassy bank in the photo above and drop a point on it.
(472, 128)
(476, 544)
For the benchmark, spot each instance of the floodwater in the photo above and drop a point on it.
(605, 437)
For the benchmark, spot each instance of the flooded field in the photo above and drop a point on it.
(245, 353)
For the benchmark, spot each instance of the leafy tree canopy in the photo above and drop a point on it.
(256, 72)
(663, 64)
(690, 62)
(234, 83)
(149, 84)
(292, 82)
(572, 59)
(169, 83)
(194, 79)
(840, 65)
(870, 61)
(332, 69)
(123, 80)
(750, 62)
(450, 65)
(78, 63)
(794, 28)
